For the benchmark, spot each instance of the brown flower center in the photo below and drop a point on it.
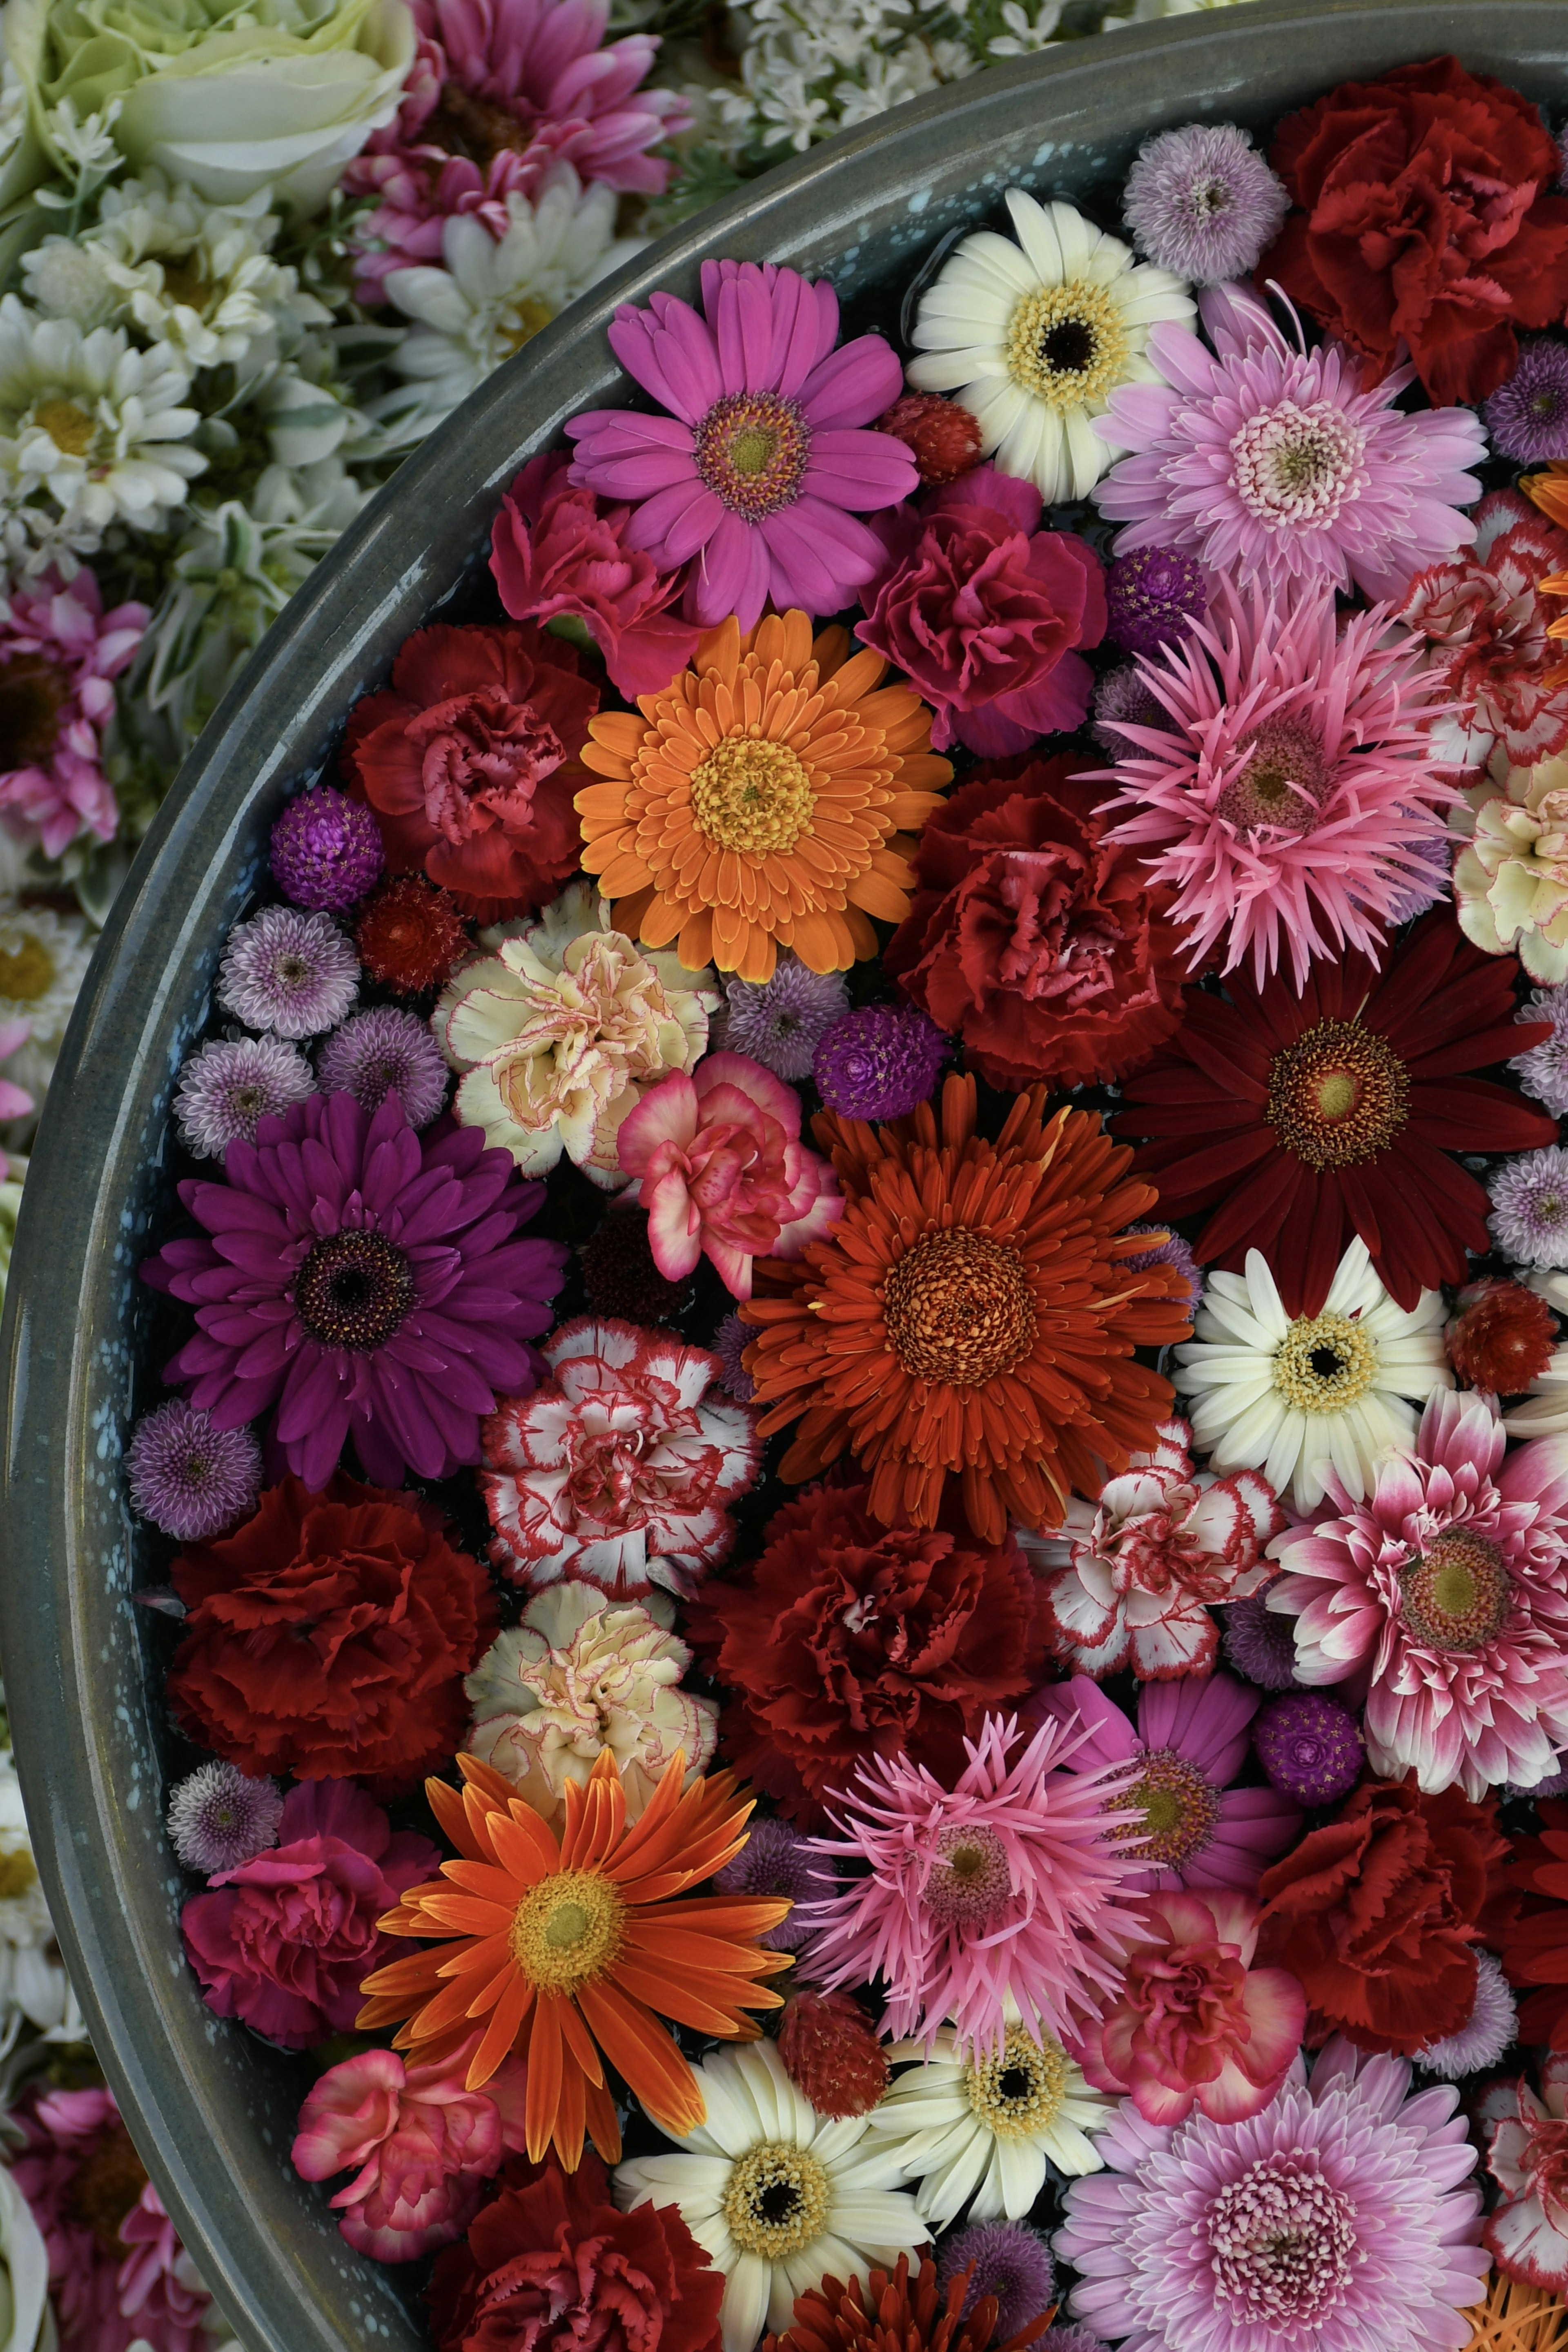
(970, 1882)
(353, 1290)
(753, 796)
(1284, 783)
(958, 1309)
(1017, 2092)
(27, 973)
(106, 2188)
(776, 2200)
(1178, 1807)
(184, 282)
(1068, 344)
(71, 428)
(1455, 1595)
(465, 125)
(751, 449)
(566, 1930)
(33, 693)
(1338, 1094)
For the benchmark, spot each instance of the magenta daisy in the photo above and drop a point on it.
(1334, 2221)
(367, 1282)
(756, 474)
(1273, 464)
(1003, 1890)
(1284, 791)
(1446, 1587)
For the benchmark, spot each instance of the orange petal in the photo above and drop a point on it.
(645, 2055)
(502, 2034)
(544, 2061)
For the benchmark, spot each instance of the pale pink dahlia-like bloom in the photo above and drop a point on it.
(1004, 1890)
(1482, 622)
(1285, 791)
(1336, 2220)
(1527, 2156)
(756, 474)
(1270, 463)
(59, 651)
(1446, 1587)
(1127, 1581)
(618, 1468)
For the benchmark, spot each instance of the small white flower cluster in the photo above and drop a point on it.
(811, 68)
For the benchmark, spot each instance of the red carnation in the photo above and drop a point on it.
(470, 761)
(551, 2266)
(329, 1637)
(1032, 935)
(1376, 1914)
(848, 1640)
(1535, 1950)
(1423, 220)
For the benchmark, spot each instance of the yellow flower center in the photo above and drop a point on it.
(18, 1872)
(776, 2200)
(1324, 1363)
(71, 428)
(1017, 2092)
(529, 317)
(958, 1309)
(1338, 1094)
(567, 1929)
(753, 796)
(27, 973)
(185, 282)
(1067, 344)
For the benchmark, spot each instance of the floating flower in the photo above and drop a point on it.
(1006, 2262)
(775, 2194)
(776, 1860)
(782, 1021)
(382, 1051)
(60, 652)
(1534, 1946)
(856, 2318)
(100, 426)
(1499, 1336)
(756, 476)
(880, 1061)
(1527, 2156)
(1488, 2030)
(325, 851)
(832, 758)
(1485, 632)
(983, 2133)
(828, 2044)
(1310, 1748)
(230, 1084)
(1034, 337)
(192, 1481)
(409, 935)
(1150, 594)
(1530, 1206)
(962, 1281)
(1203, 203)
(1542, 1070)
(219, 1817)
(944, 437)
(287, 970)
(597, 1937)
(1510, 878)
(1527, 415)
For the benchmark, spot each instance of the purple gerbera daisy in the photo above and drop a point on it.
(288, 970)
(367, 1282)
(220, 1819)
(384, 1048)
(232, 1085)
(192, 1481)
(753, 475)
(1009, 2262)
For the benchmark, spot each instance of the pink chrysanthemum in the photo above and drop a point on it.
(757, 473)
(58, 650)
(421, 188)
(1446, 1585)
(1284, 793)
(1334, 2222)
(1004, 1888)
(1274, 464)
(1482, 623)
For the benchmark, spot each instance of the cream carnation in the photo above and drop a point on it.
(1511, 881)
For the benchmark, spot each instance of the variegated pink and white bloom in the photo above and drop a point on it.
(1128, 1581)
(1527, 2156)
(618, 1468)
(1445, 1588)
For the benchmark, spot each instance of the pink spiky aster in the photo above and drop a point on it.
(1004, 1888)
(1445, 1588)
(1272, 463)
(1334, 2221)
(1285, 792)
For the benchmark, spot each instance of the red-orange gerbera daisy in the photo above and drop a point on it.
(971, 1315)
(566, 1946)
(754, 805)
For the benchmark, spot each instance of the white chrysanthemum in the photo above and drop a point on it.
(44, 959)
(1295, 1397)
(197, 277)
(99, 425)
(33, 1982)
(986, 2131)
(67, 279)
(1034, 338)
(780, 2197)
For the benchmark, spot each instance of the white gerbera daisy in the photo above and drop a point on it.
(1034, 338)
(99, 425)
(986, 2131)
(780, 2197)
(44, 959)
(1296, 1397)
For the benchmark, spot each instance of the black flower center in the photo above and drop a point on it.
(353, 1290)
(1069, 347)
(33, 693)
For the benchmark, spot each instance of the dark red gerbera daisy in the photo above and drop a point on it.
(1300, 1120)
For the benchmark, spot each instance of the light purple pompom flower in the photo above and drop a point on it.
(1260, 1643)
(1121, 694)
(1530, 1206)
(385, 1048)
(1544, 1071)
(880, 1061)
(781, 1021)
(1527, 415)
(1169, 1250)
(1309, 1747)
(220, 1819)
(326, 850)
(192, 1481)
(1202, 202)
(729, 1340)
(1010, 2262)
(756, 474)
(1069, 2338)
(776, 1860)
(1486, 2033)
(287, 970)
(231, 1085)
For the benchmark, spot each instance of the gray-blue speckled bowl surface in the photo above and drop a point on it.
(212, 2109)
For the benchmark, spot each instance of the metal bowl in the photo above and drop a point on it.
(212, 2109)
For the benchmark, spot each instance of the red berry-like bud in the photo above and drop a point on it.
(1501, 1337)
(409, 935)
(944, 437)
(831, 2054)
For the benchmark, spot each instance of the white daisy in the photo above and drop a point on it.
(780, 2197)
(1296, 1398)
(44, 959)
(1034, 338)
(1544, 1413)
(986, 2131)
(100, 426)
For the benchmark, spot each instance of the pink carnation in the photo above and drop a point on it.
(982, 610)
(58, 650)
(555, 550)
(424, 2145)
(720, 1167)
(1485, 624)
(1527, 2156)
(285, 1942)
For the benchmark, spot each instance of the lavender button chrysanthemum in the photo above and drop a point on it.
(367, 1282)
(730, 1340)
(232, 1085)
(1530, 1206)
(326, 850)
(1486, 2033)
(1527, 417)
(219, 1818)
(880, 1061)
(1010, 2262)
(1121, 694)
(781, 1021)
(192, 1481)
(1260, 1643)
(1169, 1250)
(1150, 596)
(1309, 1747)
(1069, 2338)
(776, 1860)
(384, 1048)
(758, 471)
(289, 971)
(1544, 1071)
(1202, 202)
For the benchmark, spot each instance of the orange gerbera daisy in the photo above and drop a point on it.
(970, 1315)
(754, 805)
(567, 1945)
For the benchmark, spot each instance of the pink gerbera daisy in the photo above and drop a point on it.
(753, 474)
(1002, 1889)
(1285, 792)
(1271, 463)
(1438, 1587)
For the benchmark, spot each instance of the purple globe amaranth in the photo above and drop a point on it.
(1309, 1747)
(326, 851)
(1150, 595)
(879, 1062)
(365, 1281)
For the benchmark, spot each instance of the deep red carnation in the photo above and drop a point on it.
(1300, 1120)
(1500, 1336)
(1377, 1912)
(831, 2052)
(1535, 1949)
(409, 935)
(1423, 218)
(329, 1637)
(551, 2266)
(848, 1640)
(1033, 936)
(470, 761)
(945, 438)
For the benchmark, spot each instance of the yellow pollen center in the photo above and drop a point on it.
(958, 1309)
(184, 283)
(776, 2200)
(753, 796)
(751, 451)
(529, 317)
(18, 1872)
(1017, 2091)
(71, 428)
(27, 973)
(1324, 1363)
(567, 1929)
(1068, 344)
